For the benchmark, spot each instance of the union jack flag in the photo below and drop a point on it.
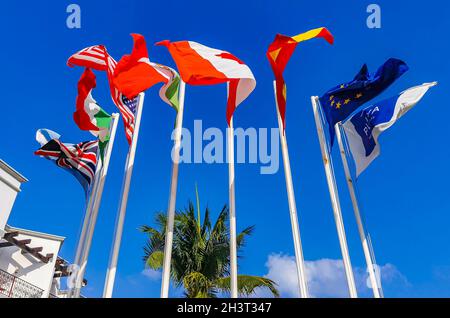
(78, 159)
(98, 58)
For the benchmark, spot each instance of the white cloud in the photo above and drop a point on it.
(326, 277)
(152, 274)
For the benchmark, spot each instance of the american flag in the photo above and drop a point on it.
(93, 57)
(98, 58)
(80, 160)
(126, 107)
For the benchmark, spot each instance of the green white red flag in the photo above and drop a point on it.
(89, 115)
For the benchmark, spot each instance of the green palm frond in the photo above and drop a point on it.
(200, 252)
(248, 284)
(155, 260)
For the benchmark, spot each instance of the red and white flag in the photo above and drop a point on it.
(202, 65)
(97, 57)
(91, 57)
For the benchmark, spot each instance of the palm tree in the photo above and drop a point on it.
(200, 255)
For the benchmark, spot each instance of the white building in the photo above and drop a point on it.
(29, 262)
(10, 182)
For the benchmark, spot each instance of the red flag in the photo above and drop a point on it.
(135, 73)
(86, 83)
(279, 53)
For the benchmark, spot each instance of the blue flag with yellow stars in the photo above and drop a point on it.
(339, 102)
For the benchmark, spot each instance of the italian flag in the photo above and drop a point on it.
(135, 73)
(202, 65)
(89, 115)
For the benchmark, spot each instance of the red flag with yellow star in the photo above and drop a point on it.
(280, 52)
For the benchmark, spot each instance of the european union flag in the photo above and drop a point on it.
(339, 102)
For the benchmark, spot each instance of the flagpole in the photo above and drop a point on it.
(112, 267)
(300, 262)
(86, 220)
(165, 284)
(376, 285)
(84, 229)
(231, 188)
(96, 206)
(332, 187)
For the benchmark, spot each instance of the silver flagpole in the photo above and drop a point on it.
(96, 206)
(165, 284)
(112, 267)
(332, 187)
(84, 229)
(362, 231)
(231, 189)
(300, 262)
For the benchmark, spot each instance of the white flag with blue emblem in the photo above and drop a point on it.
(364, 127)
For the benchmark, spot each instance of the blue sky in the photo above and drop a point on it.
(403, 193)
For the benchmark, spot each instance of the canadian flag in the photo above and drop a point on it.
(202, 65)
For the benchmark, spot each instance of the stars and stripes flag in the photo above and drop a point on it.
(97, 58)
(78, 159)
(130, 76)
(202, 65)
(92, 57)
(279, 53)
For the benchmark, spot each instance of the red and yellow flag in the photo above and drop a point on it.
(280, 52)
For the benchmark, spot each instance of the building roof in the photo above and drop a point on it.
(9, 228)
(16, 175)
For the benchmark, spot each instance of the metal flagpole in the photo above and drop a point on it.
(231, 188)
(173, 196)
(96, 206)
(332, 187)
(84, 229)
(112, 267)
(362, 232)
(300, 262)
(86, 220)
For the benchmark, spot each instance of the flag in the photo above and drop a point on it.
(92, 57)
(104, 62)
(135, 73)
(365, 126)
(279, 53)
(80, 160)
(202, 65)
(89, 115)
(339, 102)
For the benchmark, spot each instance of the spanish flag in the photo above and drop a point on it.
(280, 52)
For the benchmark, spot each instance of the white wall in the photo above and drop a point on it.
(28, 268)
(10, 182)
